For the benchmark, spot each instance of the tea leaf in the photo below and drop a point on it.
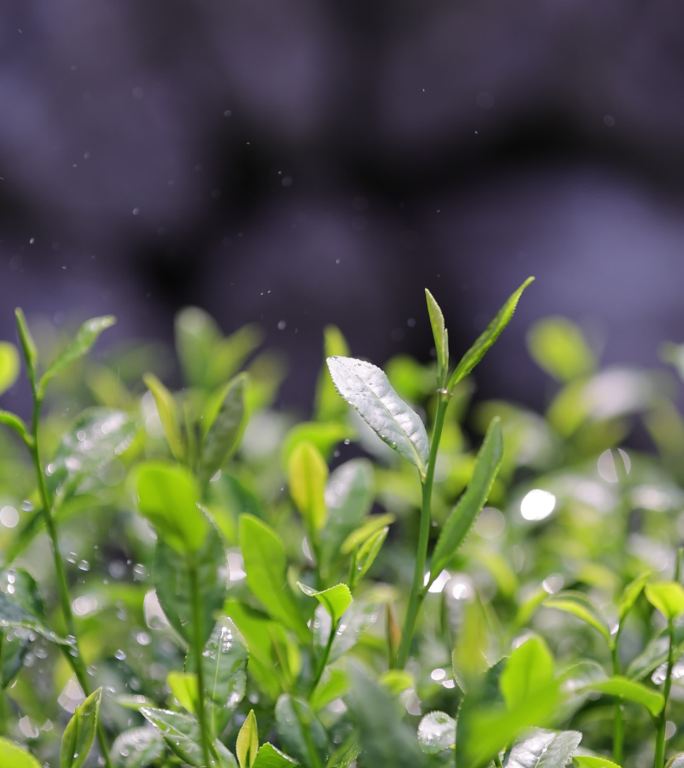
(333, 685)
(372, 525)
(630, 595)
(300, 730)
(439, 333)
(13, 755)
(224, 423)
(629, 690)
(28, 345)
(594, 761)
(667, 597)
(308, 474)
(266, 565)
(9, 365)
(366, 388)
(197, 337)
(168, 415)
(545, 749)
(80, 732)
(528, 670)
(247, 744)
(168, 497)
(558, 346)
(436, 733)
(138, 747)
(578, 604)
(180, 732)
(184, 687)
(328, 406)
(270, 757)
(473, 356)
(13, 422)
(367, 553)
(463, 516)
(20, 605)
(79, 346)
(336, 600)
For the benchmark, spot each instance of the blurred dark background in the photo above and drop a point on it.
(314, 162)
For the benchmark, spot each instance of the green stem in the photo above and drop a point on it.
(3, 695)
(73, 651)
(497, 762)
(326, 655)
(197, 649)
(618, 721)
(312, 752)
(659, 761)
(417, 594)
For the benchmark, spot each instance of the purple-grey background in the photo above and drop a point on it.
(316, 162)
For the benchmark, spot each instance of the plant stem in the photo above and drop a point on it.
(326, 655)
(618, 722)
(199, 671)
(73, 651)
(497, 762)
(418, 588)
(659, 761)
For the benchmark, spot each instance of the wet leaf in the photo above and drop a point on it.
(336, 600)
(545, 749)
(137, 747)
(80, 732)
(436, 733)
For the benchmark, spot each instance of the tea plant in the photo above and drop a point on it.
(225, 586)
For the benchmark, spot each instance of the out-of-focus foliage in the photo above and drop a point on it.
(483, 585)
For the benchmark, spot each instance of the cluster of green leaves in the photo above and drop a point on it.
(190, 577)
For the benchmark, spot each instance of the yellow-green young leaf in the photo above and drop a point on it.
(266, 568)
(12, 421)
(578, 604)
(368, 390)
(367, 553)
(28, 345)
(168, 497)
(471, 502)
(80, 732)
(329, 406)
(79, 346)
(168, 414)
(439, 333)
(184, 687)
(667, 597)
(247, 744)
(629, 690)
(397, 680)
(593, 761)
(224, 423)
(335, 599)
(631, 594)
(529, 669)
(14, 756)
(473, 356)
(558, 346)
(372, 524)
(270, 757)
(308, 475)
(9, 365)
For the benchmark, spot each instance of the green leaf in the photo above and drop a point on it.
(138, 747)
(197, 338)
(436, 733)
(336, 600)
(307, 475)
(593, 761)
(80, 732)
(180, 731)
(20, 605)
(467, 509)
(9, 365)
(79, 346)
(168, 497)
(630, 595)
(629, 690)
(473, 356)
(247, 744)
(224, 423)
(333, 685)
(545, 749)
(371, 525)
(28, 345)
(224, 662)
(266, 567)
(529, 669)
(578, 604)
(300, 730)
(328, 405)
(87, 450)
(346, 754)
(14, 756)
(172, 580)
(184, 687)
(270, 757)
(168, 415)
(368, 551)
(367, 389)
(559, 347)
(12, 421)
(439, 333)
(348, 497)
(667, 597)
